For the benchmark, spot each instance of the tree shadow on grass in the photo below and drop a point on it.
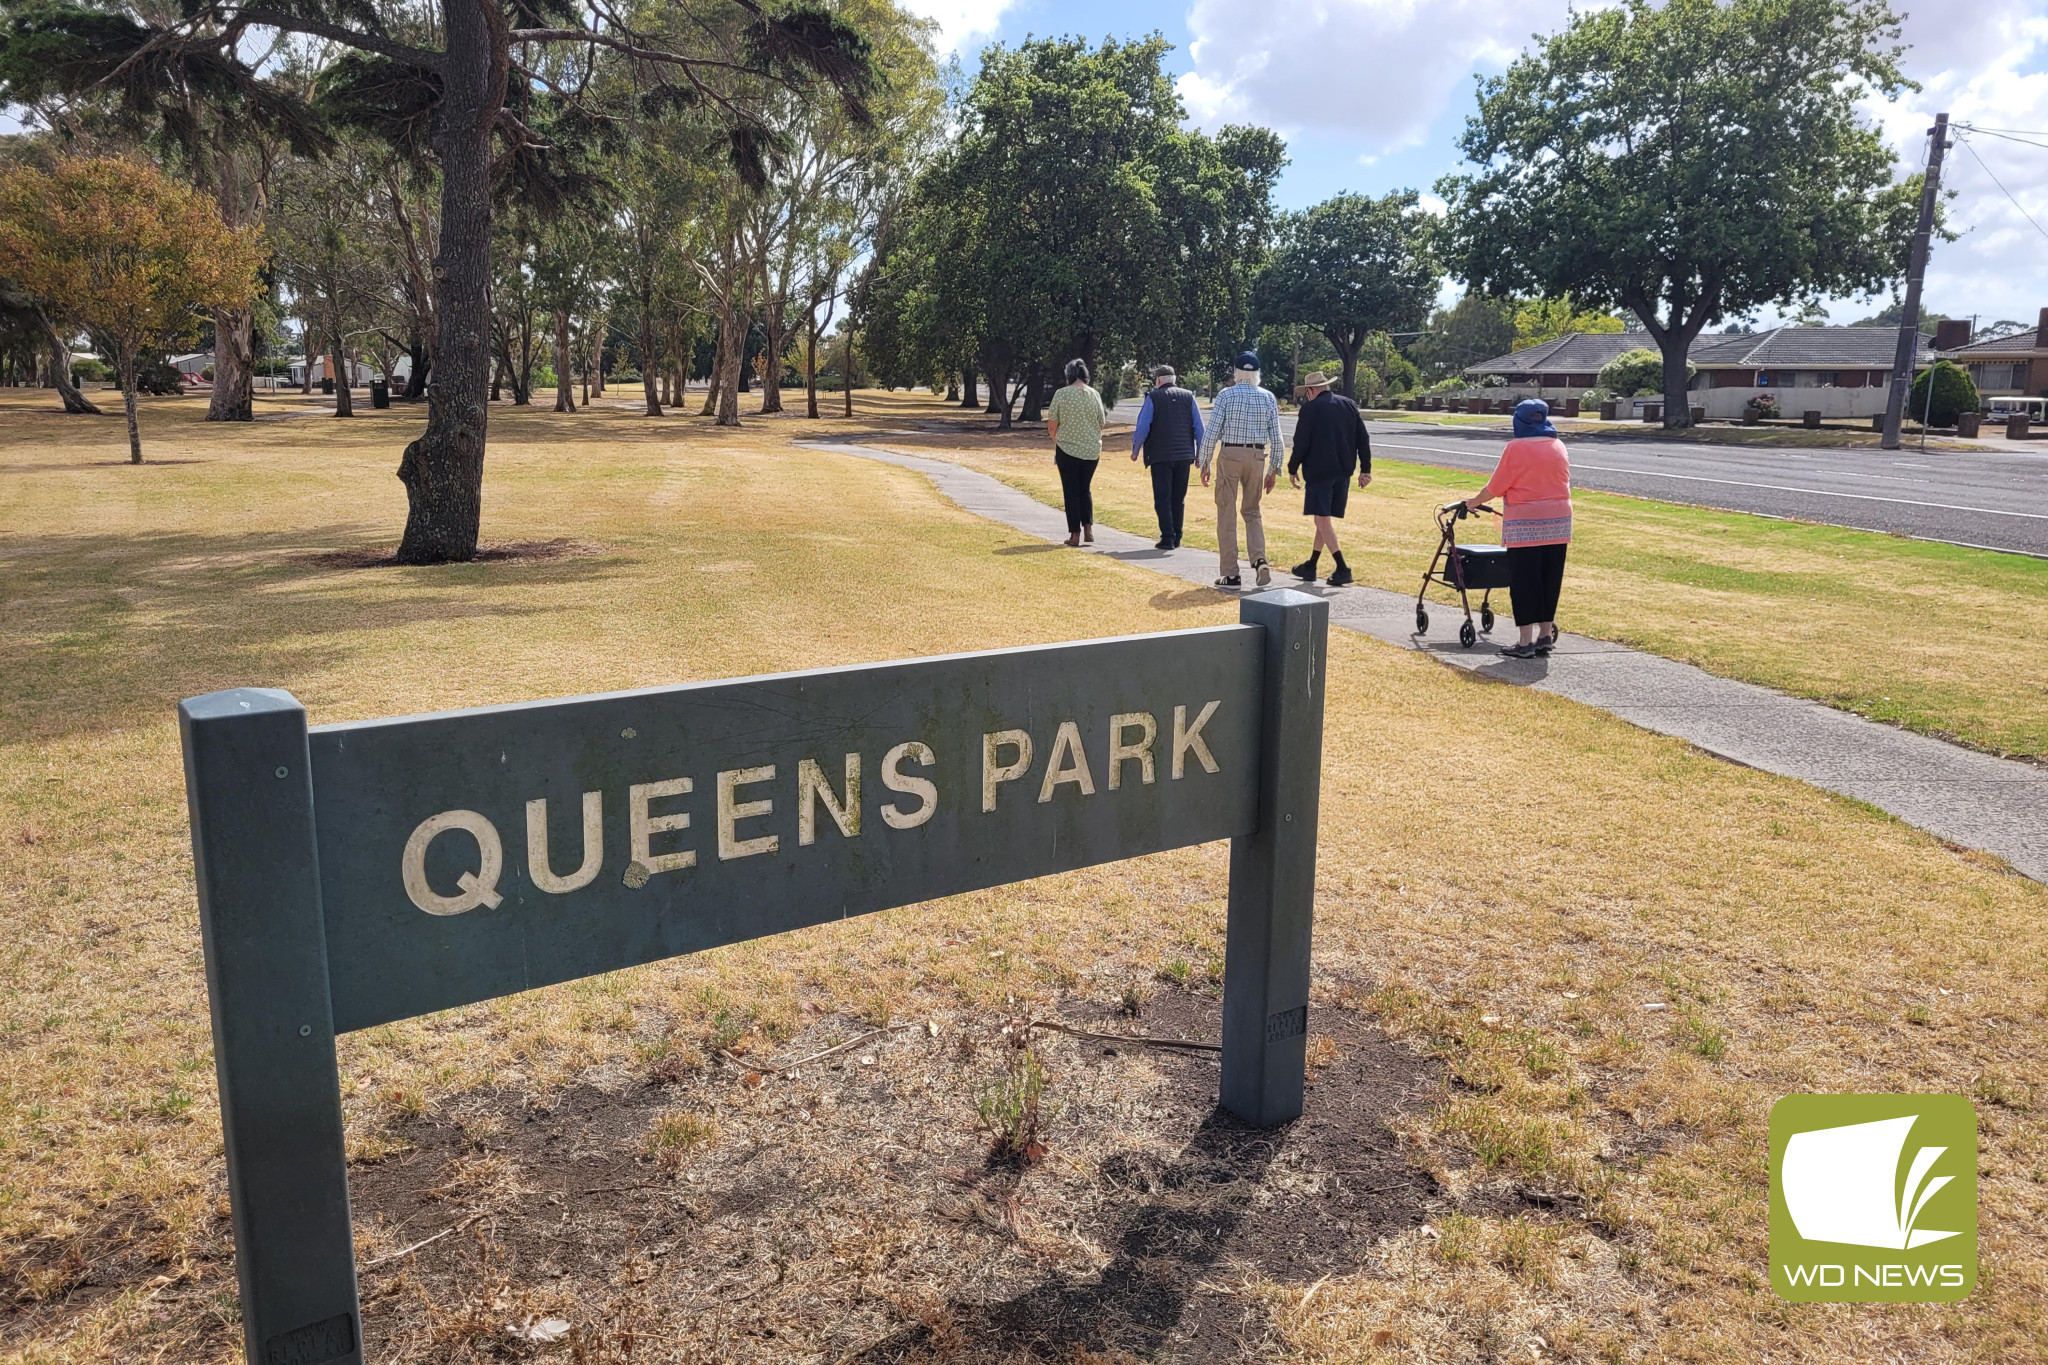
(106, 631)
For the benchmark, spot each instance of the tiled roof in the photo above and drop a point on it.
(2019, 343)
(1574, 352)
(1835, 348)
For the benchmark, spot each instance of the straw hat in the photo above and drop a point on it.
(1316, 380)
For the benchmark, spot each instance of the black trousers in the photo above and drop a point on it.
(1535, 576)
(1170, 497)
(1075, 478)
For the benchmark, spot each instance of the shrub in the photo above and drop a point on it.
(1954, 395)
(154, 374)
(90, 372)
(1639, 373)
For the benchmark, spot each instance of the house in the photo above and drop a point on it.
(1836, 371)
(194, 366)
(2007, 366)
(362, 373)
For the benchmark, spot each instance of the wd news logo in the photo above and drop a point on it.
(1873, 1198)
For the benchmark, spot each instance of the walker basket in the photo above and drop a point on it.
(1481, 566)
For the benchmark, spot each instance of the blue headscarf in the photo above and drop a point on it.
(1532, 418)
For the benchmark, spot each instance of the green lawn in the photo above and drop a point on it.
(1940, 639)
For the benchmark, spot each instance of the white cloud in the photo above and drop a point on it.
(959, 20)
(1985, 67)
(1380, 70)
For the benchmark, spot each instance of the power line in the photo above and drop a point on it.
(2006, 137)
(2001, 186)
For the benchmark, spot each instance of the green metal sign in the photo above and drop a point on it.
(354, 874)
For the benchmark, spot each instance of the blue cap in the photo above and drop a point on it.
(1247, 360)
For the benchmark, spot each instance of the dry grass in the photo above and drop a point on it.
(1513, 928)
(1940, 639)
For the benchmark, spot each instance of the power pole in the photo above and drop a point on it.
(1909, 322)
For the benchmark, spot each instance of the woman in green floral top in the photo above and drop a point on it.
(1074, 422)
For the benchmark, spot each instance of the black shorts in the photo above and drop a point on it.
(1326, 497)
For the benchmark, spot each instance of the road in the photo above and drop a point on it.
(1990, 499)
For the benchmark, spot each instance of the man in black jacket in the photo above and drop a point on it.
(1329, 442)
(1169, 434)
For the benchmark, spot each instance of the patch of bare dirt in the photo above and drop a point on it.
(852, 1212)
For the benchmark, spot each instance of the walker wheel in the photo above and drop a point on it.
(1421, 621)
(1467, 636)
(1486, 618)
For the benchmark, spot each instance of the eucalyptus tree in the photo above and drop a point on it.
(1687, 161)
(465, 89)
(325, 254)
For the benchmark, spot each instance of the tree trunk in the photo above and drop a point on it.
(970, 396)
(811, 373)
(234, 366)
(771, 364)
(650, 360)
(718, 343)
(1034, 399)
(1677, 398)
(312, 354)
(60, 370)
(1349, 356)
(344, 405)
(846, 373)
(733, 355)
(565, 378)
(417, 372)
(597, 357)
(126, 361)
(443, 470)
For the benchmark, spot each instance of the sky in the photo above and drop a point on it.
(1372, 95)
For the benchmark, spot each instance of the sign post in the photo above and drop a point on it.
(354, 874)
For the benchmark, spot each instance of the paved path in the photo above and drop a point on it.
(1968, 798)
(1991, 499)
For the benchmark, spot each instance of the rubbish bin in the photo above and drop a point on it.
(1571, 407)
(1810, 419)
(380, 394)
(1608, 410)
(1699, 415)
(327, 386)
(1653, 412)
(1968, 424)
(2016, 427)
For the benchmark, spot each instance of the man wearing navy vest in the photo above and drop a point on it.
(1169, 434)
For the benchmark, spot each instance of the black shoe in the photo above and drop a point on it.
(1545, 643)
(1176, 542)
(1306, 570)
(1264, 574)
(1231, 582)
(1518, 651)
(1162, 544)
(1339, 577)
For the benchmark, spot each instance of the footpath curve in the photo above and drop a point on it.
(1995, 805)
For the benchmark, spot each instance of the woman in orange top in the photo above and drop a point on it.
(1534, 483)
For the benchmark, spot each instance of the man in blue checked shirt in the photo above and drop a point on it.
(1244, 447)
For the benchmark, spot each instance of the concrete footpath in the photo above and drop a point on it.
(1993, 804)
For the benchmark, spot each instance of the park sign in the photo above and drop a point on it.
(354, 874)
